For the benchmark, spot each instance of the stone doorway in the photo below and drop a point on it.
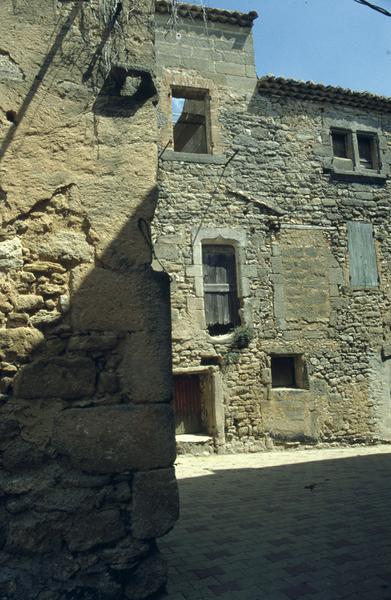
(198, 405)
(187, 405)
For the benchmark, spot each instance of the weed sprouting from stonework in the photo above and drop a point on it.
(107, 11)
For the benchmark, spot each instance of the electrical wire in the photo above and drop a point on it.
(379, 9)
(214, 192)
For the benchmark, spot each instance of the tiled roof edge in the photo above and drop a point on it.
(317, 92)
(212, 14)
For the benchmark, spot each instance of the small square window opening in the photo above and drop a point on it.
(283, 371)
(367, 151)
(342, 149)
(190, 114)
(340, 144)
(289, 372)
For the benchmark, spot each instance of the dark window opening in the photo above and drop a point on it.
(220, 289)
(340, 144)
(190, 121)
(283, 371)
(366, 151)
(289, 372)
(207, 361)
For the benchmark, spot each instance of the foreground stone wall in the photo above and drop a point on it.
(287, 219)
(87, 445)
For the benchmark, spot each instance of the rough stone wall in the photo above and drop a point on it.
(293, 264)
(86, 442)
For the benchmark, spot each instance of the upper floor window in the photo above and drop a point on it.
(367, 151)
(190, 117)
(355, 151)
(220, 288)
(341, 146)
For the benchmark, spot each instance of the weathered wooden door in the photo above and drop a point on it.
(187, 404)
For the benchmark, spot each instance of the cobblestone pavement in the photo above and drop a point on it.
(308, 524)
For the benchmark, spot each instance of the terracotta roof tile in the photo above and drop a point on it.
(307, 90)
(212, 14)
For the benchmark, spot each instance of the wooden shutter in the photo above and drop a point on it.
(362, 255)
(220, 291)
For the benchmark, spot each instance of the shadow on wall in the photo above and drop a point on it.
(86, 410)
(87, 435)
(86, 427)
(320, 528)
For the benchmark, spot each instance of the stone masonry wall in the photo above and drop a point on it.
(86, 429)
(293, 265)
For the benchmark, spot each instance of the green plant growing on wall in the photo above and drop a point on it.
(242, 337)
(232, 358)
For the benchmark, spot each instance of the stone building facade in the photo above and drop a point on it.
(86, 429)
(274, 224)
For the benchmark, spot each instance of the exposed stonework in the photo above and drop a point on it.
(285, 205)
(86, 429)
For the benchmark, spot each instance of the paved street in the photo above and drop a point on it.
(311, 524)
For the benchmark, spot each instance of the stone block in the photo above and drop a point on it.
(21, 455)
(193, 271)
(19, 342)
(43, 267)
(70, 247)
(147, 579)
(277, 264)
(44, 318)
(155, 506)
(167, 251)
(146, 366)
(59, 377)
(336, 276)
(11, 254)
(94, 341)
(194, 304)
(9, 70)
(31, 533)
(250, 270)
(29, 302)
(94, 529)
(106, 300)
(125, 554)
(113, 439)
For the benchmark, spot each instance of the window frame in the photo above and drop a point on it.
(347, 162)
(228, 288)
(194, 93)
(340, 168)
(374, 150)
(244, 273)
(353, 160)
(300, 376)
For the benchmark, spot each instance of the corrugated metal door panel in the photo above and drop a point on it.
(187, 404)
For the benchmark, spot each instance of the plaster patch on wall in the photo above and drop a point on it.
(9, 70)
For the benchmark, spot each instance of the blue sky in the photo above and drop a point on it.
(337, 42)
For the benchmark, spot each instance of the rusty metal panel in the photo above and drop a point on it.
(187, 404)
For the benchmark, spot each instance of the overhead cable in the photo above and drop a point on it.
(379, 9)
